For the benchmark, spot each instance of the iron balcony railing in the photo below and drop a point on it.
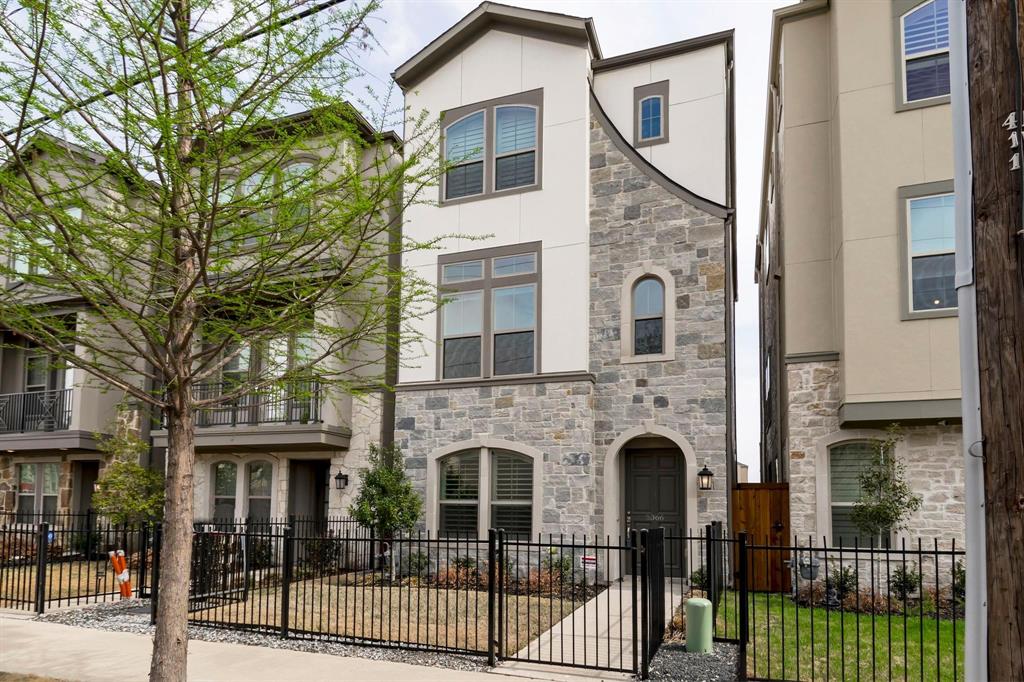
(299, 402)
(35, 411)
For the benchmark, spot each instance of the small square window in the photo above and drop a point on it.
(462, 272)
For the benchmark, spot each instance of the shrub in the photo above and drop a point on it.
(261, 553)
(560, 566)
(387, 501)
(959, 586)
(414, 564)
(129, 493)
(699, 579)
(903, 581)
(319, 554)
(842, 581)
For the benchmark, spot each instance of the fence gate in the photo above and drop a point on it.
(762, 511)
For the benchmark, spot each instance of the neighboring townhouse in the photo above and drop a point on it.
(53, 415)
(579, 372)
(291, 449)
(855, 262)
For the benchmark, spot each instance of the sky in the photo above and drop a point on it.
(403, 27)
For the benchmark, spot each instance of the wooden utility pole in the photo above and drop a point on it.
(994, 52)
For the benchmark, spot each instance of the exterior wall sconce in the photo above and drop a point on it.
(705, 478)
(340, 481)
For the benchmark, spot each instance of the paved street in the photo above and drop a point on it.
(63, 652)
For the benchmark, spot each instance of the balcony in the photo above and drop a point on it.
(35, 411)
(278, 418)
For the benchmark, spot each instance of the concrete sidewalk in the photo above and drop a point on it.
(71, 653)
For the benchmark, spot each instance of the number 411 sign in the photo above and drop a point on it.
(1011, 124)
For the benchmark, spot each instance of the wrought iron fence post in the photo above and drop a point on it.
(154, 591)
(286, 577)
(645, 593)
(744, 623)
(492, 579)
(143, 551)
(41, 537)
(634, 568)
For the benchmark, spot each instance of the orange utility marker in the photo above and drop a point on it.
(120, 565)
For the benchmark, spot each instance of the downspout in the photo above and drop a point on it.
(976, 604)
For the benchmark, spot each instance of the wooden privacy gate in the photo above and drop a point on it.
(762, 511)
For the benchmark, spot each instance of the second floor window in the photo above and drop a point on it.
(515, 147)
(648, 317)
(925, 44)
(488, 324)
(932, 260)
(31, 258)
(464, 147)
(650, 118)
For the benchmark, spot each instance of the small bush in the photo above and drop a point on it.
(261, 553)
(414, 564)
(699, 579)
(903, 581)
(959, 587)
(842, 581)
(320, 554)
(560, 566)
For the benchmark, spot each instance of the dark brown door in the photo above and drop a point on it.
(655, 493)
(762, 511)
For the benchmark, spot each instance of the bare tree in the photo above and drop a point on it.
(184, 180)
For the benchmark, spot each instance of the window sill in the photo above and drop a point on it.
(922, 103)
(928, 314)
(640, 144)
(494, 194)
(653, 357)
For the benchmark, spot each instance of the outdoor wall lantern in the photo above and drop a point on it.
(340, 481)
(705, 478)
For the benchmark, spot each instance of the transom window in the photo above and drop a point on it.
(847, 461)
(925, 43)
(648, 317)
(485, 488)
(650, 118)
(493, 146)
(38, 489)
(488, 324)
(932, 242)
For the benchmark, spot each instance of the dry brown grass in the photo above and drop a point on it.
(410, 614)
(64, 580)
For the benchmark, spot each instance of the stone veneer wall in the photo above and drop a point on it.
(637, 223)
(932, 454)
(555, 417)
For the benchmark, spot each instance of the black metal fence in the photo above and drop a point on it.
(35, 411)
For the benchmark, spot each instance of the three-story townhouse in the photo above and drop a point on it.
(578, 371)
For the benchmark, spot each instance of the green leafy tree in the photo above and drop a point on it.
(149, 188)
(129, 493)
(387, 501)
(886, 500)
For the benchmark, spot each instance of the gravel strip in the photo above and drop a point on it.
(673, 662)
(132, 615)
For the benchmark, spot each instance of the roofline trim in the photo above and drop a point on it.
(706, 205)
(662, 51)
(488, 14)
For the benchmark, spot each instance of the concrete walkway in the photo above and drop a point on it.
(71, 653)
(600, 632)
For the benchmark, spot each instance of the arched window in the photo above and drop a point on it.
(294, 211)
(650, 117)
(515, 146)
(648, 315)
(485, 488)
(924, 34)
(225, 490)
(464, 149)
(846, 462)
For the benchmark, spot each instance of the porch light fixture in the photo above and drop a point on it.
(340, 481)
(705, 478)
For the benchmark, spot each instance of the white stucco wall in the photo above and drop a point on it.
(695, 155)
(496, 65)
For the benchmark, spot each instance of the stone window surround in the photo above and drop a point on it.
(905, 194)
(487, 284)
(484, 445)
(647, 269)
(823, 480)
(640, 93)
(900, 8)
(242, 463)
(531, 98)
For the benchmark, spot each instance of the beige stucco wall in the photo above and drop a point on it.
(846, 151)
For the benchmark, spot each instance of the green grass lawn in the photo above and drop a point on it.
(791, 642)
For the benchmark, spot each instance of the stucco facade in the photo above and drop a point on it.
(841, 358)
(603, 214)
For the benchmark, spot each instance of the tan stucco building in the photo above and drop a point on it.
(855, 260)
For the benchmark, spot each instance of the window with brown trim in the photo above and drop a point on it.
(488, 325)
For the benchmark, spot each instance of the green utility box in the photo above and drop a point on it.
(699, 622)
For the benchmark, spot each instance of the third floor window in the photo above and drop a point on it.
(925, 44)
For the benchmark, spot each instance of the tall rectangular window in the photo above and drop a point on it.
(650, 118)
(847, 462)
(515, 146)
(38, 489)
(931, 223)
(924, 35)
(460, 493)
(464, 149)
(488, 324)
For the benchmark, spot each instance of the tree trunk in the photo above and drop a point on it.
(170, 644)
